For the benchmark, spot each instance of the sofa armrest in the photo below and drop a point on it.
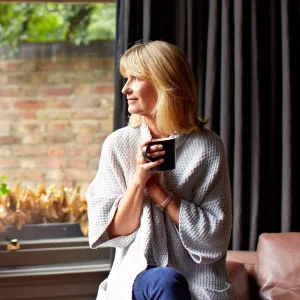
(248, 258)
(241, 266)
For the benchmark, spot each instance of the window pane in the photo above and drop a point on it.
(56, 101)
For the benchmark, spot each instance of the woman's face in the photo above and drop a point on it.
(141, 96)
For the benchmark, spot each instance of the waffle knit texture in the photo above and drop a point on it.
(197, 248)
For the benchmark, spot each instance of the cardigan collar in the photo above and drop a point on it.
(146, 134)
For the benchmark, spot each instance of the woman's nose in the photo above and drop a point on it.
(126, 89)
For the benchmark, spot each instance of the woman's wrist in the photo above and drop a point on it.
(158, 193)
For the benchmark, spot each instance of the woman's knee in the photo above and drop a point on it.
(161, 283)
(170, 276)
(169, 281)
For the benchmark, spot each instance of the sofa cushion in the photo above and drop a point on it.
(239, 279)
(278, 269)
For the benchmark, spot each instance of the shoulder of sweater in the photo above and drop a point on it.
(120, 136)
(206, 136)
(208, 141)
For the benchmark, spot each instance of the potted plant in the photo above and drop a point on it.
(53, 212)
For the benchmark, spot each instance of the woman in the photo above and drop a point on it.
(180, 252)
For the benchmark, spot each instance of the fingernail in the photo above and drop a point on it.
(160, 146)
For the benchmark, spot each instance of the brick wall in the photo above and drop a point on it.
(56, 110)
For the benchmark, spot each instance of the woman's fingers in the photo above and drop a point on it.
(155, 151)
(149, 165)
(156, 154)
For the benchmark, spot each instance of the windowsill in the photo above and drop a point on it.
(53, 269)
(89, 267)
(55, 256)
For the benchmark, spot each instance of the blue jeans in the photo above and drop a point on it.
(160, 283)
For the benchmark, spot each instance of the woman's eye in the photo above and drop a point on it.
(135, 78)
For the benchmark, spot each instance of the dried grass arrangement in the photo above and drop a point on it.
(44, 205)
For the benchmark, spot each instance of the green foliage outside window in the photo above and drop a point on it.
(4, 190)
(53, 22)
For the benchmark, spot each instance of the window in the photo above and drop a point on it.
(56, 109)
(56, 100)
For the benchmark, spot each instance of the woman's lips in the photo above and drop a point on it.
(131, 100)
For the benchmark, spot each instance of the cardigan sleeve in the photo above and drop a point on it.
(205, 222)
(103, 196)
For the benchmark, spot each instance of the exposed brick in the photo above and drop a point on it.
(56, 114)
(31, 139)
(5, 151)
(106, 102)
(84, 138)
(3, 79)
(86, 102)
(107, 126)
(28, 66)
(56, 90)
(65, 76)
(28, 150)
(57, 175)
(8, 163)
(81, 64)
(29, 104)
(28, 114)
(94, 150)
(37, 78)
(32, 175)
(99, 138)
(101, 63)
(77, 96)
(78, 163)
(20, 78)
(9, 115)
(8, 66)
(56, 151)
(31, 127)
(10, 140)
(27, 164)
(87, 126)
(64, 103)
(4, 105)
(45, 66)
(83, 89)
(104, 88)
(57, 127)
(57, 139)
(30, 91)
(9, 92)
(100, 114)
(76, 174)
(75, 151)
(60, 126)
(5, 128)
(52, 163)
(93, 163)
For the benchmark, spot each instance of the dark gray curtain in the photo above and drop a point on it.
(245, 56)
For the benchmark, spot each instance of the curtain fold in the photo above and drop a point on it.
(245, 56)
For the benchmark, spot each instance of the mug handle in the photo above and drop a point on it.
(145, 154)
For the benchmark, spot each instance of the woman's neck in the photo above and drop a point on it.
(153, 129)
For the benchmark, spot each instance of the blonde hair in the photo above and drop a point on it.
(168, 69)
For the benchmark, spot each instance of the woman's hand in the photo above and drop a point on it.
(143, 167)
(154, 183)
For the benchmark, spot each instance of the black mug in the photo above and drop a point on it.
(169, 156)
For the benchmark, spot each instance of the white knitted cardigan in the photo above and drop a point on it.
(198, 247)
